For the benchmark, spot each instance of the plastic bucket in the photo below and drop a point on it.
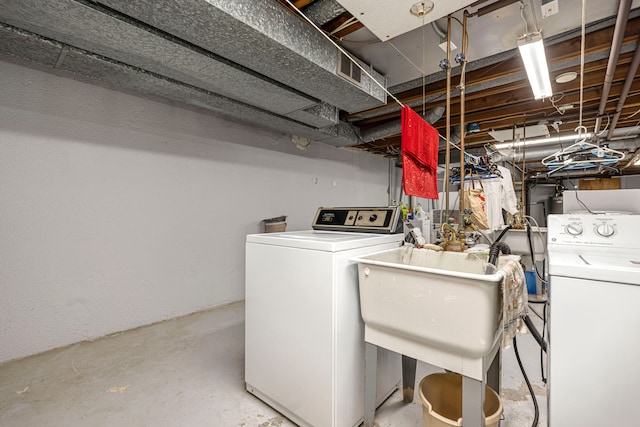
(530, 278)
(441, 396)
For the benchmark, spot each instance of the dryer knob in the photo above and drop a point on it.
(605, 230)
(574, 229)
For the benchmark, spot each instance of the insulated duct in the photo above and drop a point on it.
(540, 153)
(395, 127)
(252, 61)
(323, 11)
(262, 36)
(118, 75)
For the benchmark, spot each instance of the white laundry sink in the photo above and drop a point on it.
(519, 242)
(438, 307)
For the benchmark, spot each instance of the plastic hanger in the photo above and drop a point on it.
(582, 155)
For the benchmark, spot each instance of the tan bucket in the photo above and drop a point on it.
(274, 227)
(441, 396)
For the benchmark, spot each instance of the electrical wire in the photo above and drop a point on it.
(526, 25)
(578, 199)
(553, 102)
(544, 328)
(606, 127)
(637, 111)
(344, 25)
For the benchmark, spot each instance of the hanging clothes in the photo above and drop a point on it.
(508, 194)
(419, 155)
(499, 194)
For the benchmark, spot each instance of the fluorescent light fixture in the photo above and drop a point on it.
(535, 63)
(541, 141)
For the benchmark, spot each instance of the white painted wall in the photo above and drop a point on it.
(118, 211)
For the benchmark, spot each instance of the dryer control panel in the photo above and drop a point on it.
(619, 231)
(385, 220)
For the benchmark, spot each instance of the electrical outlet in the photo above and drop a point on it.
(549, 7)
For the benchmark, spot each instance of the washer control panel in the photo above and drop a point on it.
(363, 220)
(594, 230)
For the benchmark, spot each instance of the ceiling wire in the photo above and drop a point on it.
(405, 57)
(344, 52)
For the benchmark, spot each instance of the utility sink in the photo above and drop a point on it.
(438, 307)
(519, 242)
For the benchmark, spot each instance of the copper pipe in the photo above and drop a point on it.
(616, 43)
(462, 124)
(447, 155)
(522, 185)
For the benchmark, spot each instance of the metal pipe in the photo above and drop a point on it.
(462, 124)
(524, 153)
(625, 90)
(616, 43)
(447, 155)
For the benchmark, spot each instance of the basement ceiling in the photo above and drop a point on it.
(262, 62)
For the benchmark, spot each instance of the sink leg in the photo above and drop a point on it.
(472, 402)
(494, 374)
(370, 371)
(408, 378)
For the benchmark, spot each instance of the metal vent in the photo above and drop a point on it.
(349, 70)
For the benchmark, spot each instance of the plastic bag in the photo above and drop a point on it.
(474, 200)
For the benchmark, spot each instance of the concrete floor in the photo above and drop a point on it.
(190, 372)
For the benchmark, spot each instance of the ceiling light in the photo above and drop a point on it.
(541, 141)
(566, 77)
(421, 8)
(535, 63)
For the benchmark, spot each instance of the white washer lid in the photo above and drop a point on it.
(328, 241)
(616, 267)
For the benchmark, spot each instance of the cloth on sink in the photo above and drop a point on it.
(514, 299)
(419, 155)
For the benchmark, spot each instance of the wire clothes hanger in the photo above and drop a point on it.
(477, 167)
(582, 155)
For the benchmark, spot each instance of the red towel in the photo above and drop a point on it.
(419, 155)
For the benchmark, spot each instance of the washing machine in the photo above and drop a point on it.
(304, 336)
(594, 320)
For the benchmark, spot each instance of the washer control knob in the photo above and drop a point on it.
(605, 230)
(574, 229)
(373, 217)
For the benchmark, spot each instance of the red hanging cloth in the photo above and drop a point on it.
(419, 155)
